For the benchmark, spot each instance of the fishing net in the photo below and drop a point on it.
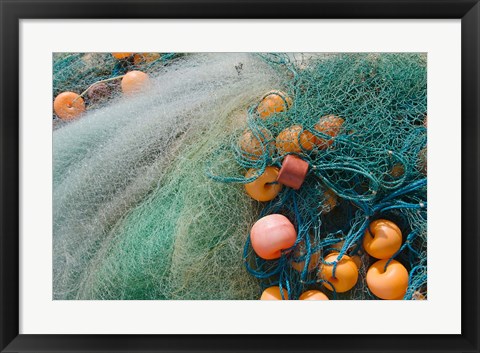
(77, 72)
(135, 216)
(372, 167)
(149, 199)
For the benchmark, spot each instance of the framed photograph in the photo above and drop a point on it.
(240, 176)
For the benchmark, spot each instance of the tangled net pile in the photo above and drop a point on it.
(76, 72)
(375, 168)
(135, 215)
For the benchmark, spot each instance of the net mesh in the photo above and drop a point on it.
(149, 201)
(76, 72)
(373, 164)
(135, 216)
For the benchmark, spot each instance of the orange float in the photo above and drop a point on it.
(134, 82)
(68, 105)
(346, 273)
(121, 56)
(273, 293)
(382, 239)
(293, 139)
(142, 58)
(254, 146)
(313, 295)
(272, 234)
(329, 125)
(262, 189)
(293, 172)
(390, 284)
(273, 102)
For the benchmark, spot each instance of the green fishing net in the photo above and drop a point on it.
(148, 198)
(134, 215)
(374, 165)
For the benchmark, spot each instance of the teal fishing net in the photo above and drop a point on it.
(134, 215)
(148, 191)
(374, 168)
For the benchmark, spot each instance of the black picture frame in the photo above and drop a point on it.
(12, 11)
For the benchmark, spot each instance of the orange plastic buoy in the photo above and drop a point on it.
(273, 293)
(391, 283)
(135, 82)
(346, 274)
(293, 172)
(273, 102)
(121, 56)
(143, 58)
(262, 189)
(299, 252)
(382, 239)
(313, 295)
(68, 105)
(255, 146)
(293, 139)
(272, 234)
(329, 125)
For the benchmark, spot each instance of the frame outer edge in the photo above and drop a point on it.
(9, 173)
(9, 149)
(470, 175)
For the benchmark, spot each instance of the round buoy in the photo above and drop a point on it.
(390, 283)
(134, 82)
(329, 125)
(121, 56)
(273, 102)
(265, 187)
(346, 273)
(273, 293)
(272, 234)
(294, 139)
(313, 295)
(254, 146)
(68, 105)
(382, 239)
